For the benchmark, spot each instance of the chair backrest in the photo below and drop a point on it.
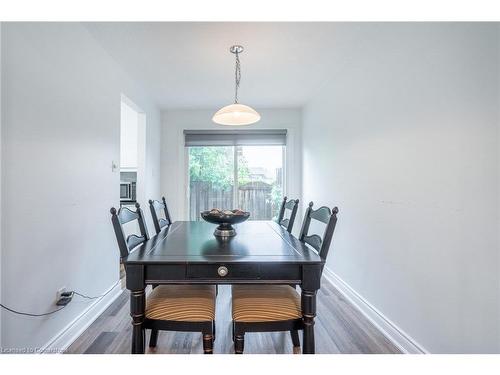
(123, 216)
(326, 216)
(292, 205)
(159, 222)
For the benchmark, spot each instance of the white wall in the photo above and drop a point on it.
(173, 167)
(1, 121)
(498, 134)
(61, 132)
(405, 141)
(128, 136)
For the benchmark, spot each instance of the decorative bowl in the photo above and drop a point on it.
(225, 221)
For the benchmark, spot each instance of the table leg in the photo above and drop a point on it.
(308, 315)
(137, 306)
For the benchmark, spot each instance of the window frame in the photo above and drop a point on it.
(292, 173)
(235, 174)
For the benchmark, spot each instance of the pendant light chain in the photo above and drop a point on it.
(237, 77)
(236, 114)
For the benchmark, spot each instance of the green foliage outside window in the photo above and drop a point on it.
(215, 165)
(211, 169)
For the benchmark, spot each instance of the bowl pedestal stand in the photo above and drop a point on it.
(225, 230)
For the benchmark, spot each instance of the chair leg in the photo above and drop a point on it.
(208, 343)
(153, 339)
(295, 338)
(233, 331)
(239, 343)
(213, 329)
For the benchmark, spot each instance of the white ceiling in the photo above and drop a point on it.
(188, 65)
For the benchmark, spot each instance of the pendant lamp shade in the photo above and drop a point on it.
(236, 114)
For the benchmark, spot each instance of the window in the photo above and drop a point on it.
(241, 169)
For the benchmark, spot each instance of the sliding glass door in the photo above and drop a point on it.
(260, 180)
(246, 176)
(211, 179)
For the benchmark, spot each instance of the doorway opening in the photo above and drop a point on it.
(132, 159)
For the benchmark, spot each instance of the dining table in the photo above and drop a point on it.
(188, 252)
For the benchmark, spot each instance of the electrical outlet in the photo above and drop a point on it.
(66, 298)
(59, 292)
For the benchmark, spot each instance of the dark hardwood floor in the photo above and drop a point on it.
(340, 328)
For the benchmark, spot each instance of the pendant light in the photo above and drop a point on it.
(236, 114)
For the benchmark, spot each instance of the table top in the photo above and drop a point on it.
(194, 242)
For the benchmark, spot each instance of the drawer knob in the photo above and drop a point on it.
(222, 271)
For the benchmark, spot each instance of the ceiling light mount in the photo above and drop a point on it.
(236, 49)
(236, 114)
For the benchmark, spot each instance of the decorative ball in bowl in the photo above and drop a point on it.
(225, 219)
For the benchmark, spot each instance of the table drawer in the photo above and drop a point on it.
(165, 272)
(280, 271)
(222, 271)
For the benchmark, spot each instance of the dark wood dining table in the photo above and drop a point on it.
(187, 252)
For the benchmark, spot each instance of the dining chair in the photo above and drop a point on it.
(292, 205)
(155, 207)
(271, 308)
(160, 223)
(168, 307)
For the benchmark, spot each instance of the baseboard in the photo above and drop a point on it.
(60, 342)
(395, 334)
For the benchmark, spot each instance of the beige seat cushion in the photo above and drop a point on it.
(183, 303)
(265, 303)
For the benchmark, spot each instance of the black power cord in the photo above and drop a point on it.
(59, 309)
(29, 314)
(101, 296)
(84, 296)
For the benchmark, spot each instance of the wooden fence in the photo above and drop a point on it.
(254, 197)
